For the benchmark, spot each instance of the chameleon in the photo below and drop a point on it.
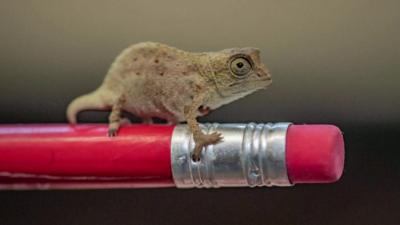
(155, 80)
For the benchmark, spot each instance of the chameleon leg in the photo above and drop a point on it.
(201, 140)
(115, 119)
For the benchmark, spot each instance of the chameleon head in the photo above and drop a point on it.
(239, 71)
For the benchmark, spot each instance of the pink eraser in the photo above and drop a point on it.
(314, 153)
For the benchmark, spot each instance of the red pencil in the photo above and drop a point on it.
(141, 156)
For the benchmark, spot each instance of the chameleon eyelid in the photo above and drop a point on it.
(240, 56)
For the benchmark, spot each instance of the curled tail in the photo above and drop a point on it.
(89, 101)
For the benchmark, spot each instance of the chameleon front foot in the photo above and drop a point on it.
(113, 128)
(204, 140)
(112, 132)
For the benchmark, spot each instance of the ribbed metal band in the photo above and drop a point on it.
(249, 155)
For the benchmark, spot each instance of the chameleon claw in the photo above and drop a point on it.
(112, 132)
(213, 138)
(196, 157)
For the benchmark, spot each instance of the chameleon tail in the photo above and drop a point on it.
(89, 101)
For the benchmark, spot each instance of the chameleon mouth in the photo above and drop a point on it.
(255, 85)
(265, 82)
(247, 90)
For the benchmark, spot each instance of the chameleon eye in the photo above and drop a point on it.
(240, 67)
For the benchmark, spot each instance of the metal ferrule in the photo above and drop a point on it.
(249, 155)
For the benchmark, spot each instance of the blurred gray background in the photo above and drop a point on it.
(334, 62)
(331, 61)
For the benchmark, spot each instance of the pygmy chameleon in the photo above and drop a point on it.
(156, 80)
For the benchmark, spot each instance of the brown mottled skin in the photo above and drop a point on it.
(155, 80)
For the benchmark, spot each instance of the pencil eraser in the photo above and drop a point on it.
(314, 153)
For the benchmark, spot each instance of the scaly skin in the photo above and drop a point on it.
(155, 80)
